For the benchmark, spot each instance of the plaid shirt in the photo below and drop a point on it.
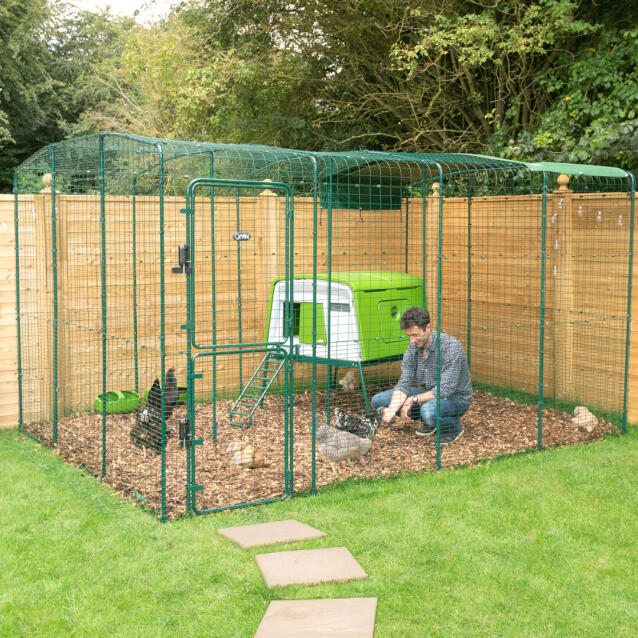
(419, 372)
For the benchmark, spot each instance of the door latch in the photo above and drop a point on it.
(184, 260)
(185, 436)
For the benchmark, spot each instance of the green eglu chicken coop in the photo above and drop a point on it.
(358, 314)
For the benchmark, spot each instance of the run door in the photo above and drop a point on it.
(239, 384)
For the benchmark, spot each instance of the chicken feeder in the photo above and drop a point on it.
(117, 402)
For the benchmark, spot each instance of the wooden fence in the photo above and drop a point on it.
(491, 290)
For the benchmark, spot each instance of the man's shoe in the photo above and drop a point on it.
(426, 430)
(450, 437)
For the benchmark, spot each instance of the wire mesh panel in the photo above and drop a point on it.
(208, 326)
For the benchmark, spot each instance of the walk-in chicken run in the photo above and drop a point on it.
(204, 327)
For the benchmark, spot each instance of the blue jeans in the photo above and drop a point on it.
(450, 410)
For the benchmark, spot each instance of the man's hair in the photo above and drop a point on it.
(415, 316)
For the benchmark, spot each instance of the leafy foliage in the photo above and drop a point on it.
(25, 83)
(593, 114)
(46, 77)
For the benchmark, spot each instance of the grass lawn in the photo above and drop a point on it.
(532, 545)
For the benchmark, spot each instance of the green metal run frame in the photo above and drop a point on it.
(107, 166)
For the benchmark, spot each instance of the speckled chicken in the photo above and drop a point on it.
(338, 444)
(365, 427)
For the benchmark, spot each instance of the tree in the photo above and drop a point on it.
(188, 77)
(25, 82)
(593, 113)
(46, 79)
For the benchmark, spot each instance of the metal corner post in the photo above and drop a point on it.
(103, 294)
(468, 342)
(289, 383)
(54, 264)
(632, 182)
(191, 243)
(16, 223)
(240, 336)
(439, 290)
(315, 209)
(541, 338)
(162, 324)
(134, 240)
(190, 408)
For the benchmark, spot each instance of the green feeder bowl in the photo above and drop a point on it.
(132, 400)
(115, 402)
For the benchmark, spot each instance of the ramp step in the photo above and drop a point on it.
(253, 393)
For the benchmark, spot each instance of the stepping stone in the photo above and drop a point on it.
(309, 567)
(337, 618)
(268, 533)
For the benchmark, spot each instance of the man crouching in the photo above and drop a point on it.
(414, 395)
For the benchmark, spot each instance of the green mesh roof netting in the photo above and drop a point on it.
(353, 179)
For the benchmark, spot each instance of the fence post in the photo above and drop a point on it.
(561, 289)
(271, 216)
(43, 203)
(431, 240)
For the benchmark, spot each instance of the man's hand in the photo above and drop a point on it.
(388, 415)
(406, 408)
(396, 402)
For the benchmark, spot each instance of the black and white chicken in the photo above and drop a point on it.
(147, 431)
(364, 427)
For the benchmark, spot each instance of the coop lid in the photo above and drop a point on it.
(367, 279)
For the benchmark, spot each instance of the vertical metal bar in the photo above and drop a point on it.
(190, 228)
(541, 347)
(438, 324)
(190, 411)
(16, 224)
(289, 425)
(315, 209)
(632, 182)
(211, 172)
(239, 319)
(468, 340)
(162, 324)
(135, 336)
(54, 257)
(103, 294)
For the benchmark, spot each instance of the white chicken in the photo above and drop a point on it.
(583, 419)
